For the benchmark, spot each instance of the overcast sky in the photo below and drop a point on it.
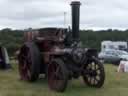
(95, 14)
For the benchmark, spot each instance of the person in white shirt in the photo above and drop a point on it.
(123, 66)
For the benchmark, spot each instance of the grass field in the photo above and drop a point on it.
(116, 84)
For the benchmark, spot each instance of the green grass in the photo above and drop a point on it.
(116, 84)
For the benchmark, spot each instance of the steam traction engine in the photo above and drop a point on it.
(58, 54)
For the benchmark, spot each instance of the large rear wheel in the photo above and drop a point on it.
(29, 62)
(94, 74)
(57, 75)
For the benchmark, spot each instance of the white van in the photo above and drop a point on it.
(116, 45)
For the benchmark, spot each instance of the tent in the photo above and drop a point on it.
(4, 58)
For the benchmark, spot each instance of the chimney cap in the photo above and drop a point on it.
(75, 3)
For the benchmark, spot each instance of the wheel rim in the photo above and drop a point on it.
(93, 75)
(55, 76)
(25, 63)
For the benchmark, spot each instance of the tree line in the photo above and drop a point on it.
(93, 39)
(13, 39)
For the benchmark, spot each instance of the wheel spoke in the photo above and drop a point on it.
(95, 66)
(98, 78)
(98, 71)
(96, 81)
(57, 69)
(92, 80)
(89, 79)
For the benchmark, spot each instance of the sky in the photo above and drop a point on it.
(94, 14)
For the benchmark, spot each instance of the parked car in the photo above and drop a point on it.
(113, 56)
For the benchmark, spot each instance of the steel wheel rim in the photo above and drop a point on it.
(94, 73)
(25, 63)
(55, 74)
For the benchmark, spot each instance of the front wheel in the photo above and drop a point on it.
(57, 75)
(94, 75)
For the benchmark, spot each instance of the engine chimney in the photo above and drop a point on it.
(75, 20)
